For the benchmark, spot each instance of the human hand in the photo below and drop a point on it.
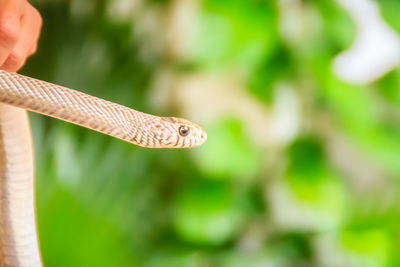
(20, 25)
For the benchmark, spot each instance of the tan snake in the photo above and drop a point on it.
(18, 234)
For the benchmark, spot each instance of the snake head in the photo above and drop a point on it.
(178, 133)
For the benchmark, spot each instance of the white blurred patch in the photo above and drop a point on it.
(291, 26)
(122, 10)
(376, 49)
(206, 98)
(69, 171)
(182, 20)
(286, 114)
(290, 213)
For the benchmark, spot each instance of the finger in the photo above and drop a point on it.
(38, 22)
(10, 23)
(30, 28)
(33, 49)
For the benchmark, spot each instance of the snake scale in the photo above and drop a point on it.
(18, 93)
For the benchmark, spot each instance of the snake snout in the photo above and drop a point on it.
(203, 137)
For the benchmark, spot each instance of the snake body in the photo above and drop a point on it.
(18, 93)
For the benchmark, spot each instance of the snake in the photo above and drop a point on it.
(19, 245)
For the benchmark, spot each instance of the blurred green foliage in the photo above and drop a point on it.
(228, 138)
(232, 202)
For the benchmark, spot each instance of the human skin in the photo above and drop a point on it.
(20, 25)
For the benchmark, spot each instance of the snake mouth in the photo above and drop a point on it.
(203, 137)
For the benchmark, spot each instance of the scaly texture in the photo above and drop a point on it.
(18, 237)
(127, 124)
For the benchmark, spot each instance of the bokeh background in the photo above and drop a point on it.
(301, 103)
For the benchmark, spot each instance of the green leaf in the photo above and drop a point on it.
(228, 152)
(207, 214)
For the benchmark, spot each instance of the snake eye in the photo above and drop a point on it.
(184, 130)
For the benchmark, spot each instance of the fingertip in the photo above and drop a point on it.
(36, 15)
(33, 50)
(14, 61)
